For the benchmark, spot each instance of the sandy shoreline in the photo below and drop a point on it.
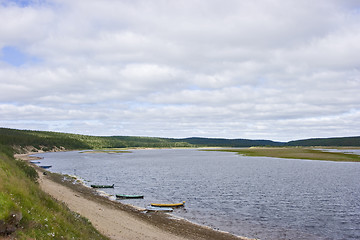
(117, 220)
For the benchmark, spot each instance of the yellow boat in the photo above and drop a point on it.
(168, 204)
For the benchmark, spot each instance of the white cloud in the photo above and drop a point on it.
(237, 69)
(23, 26)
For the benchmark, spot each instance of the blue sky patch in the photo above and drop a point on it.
(15, 57)
(20, 3)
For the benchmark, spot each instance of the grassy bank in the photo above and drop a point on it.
(295, 153)
(26, 212)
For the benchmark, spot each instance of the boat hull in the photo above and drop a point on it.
(45, 167)
(168, 204)
(102, 186)
(35, 162)
(123, 196)
(159, 209)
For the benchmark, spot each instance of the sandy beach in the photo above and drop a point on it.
(110, 221)
(120, 221)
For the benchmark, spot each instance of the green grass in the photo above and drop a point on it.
(42, 216)
(295, 153)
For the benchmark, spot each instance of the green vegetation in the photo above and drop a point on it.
(48, 141)
(38, 216)
(222, 142)
(339, 142)
(295, 153)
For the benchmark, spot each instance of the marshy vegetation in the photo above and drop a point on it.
(295, 153)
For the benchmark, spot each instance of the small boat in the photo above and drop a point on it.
(35, 162)
(168, 204)
(124, 196)
(46, 167)
(159, 209)
(102, 186)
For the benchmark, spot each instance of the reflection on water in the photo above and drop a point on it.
(260, 197)
(352, 151)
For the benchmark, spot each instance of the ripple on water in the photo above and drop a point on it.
(266, 198)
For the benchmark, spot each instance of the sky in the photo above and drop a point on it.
(256, 69)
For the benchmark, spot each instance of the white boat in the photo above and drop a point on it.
(159, 209)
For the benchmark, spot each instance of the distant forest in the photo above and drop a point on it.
(338, 141)
(222, 142)
(47, 141)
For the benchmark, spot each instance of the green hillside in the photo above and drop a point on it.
(338, 141)
(26, 212)
(222, 142)
(53, 140)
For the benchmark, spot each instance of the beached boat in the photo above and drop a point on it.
(35, 162)
(102, 186)
(159, 209)
(46, 167)
(124, 196)
(168, 204)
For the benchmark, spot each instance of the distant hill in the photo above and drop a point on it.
(222, 142)
(47, 141)
(337, 141)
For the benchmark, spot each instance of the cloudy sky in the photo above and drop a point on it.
(258, 69)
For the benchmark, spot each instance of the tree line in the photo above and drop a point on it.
(48, 141)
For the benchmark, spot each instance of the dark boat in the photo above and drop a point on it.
(124, 196)
(102, 186)
(45, 167)
(35, 162)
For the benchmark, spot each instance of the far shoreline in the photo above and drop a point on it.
(301, 153)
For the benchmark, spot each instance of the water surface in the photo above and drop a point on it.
(260, 197)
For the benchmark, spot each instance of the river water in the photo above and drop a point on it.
(257, 197)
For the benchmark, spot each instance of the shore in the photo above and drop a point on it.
(119, 221)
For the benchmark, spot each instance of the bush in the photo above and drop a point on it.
(8, 151)
(28, 170)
